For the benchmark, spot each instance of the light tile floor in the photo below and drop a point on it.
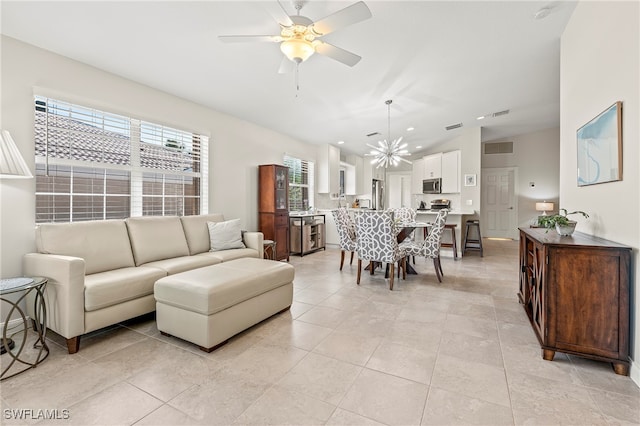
(459, 352)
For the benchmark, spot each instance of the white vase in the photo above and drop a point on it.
(566, 230)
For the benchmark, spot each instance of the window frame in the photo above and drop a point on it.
(306, 167)
(78, 135)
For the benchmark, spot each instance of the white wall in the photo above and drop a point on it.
(600, 65)
(536, 155)
(236, 147)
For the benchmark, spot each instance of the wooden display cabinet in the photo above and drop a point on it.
(575, 291)
(273, 206)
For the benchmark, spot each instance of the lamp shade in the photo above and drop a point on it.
(544, 206)
(12, 165)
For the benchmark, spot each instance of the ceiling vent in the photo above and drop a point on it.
(373, 134)
(454, 126)
(498, 148)
(499, 113)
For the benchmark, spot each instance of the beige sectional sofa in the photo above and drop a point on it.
(102, 272)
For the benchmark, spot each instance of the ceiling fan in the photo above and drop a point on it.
(299, 36)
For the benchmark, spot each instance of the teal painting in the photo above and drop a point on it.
(600, 148)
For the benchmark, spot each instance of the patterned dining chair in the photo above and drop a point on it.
(405, 215)
(430, 248)
(376, 241)
(346, 232)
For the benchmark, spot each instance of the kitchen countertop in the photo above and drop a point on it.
(293, 214)
(451, 212)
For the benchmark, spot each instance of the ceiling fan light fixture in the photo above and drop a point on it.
(297, 49)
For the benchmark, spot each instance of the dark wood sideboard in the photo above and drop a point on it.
(575, 291)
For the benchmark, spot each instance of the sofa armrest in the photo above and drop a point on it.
(254, 240)
(64, 294)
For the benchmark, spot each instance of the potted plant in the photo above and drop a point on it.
(564, 226)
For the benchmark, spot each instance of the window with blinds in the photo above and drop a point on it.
(93, 165)
(301, 187)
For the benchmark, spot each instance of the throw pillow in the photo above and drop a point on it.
(225, 235)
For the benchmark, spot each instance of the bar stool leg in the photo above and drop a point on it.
(472, 243)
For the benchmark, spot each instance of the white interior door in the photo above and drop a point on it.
(499, 209)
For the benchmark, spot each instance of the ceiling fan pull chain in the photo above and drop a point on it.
(297, 78)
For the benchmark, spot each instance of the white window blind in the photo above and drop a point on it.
(301, 186)
(92, 164)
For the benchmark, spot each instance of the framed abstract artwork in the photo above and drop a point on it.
(469, 180)
(600, 148)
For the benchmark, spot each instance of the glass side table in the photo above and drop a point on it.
(14, 346)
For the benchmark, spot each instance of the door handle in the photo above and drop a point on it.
(510, 208)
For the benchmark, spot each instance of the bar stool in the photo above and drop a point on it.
(452, 244)
(471, 243)
(269, 249)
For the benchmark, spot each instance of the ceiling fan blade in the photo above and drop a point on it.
(286, 66)
(249, 38)
(349, 15)
(337, 53)
(278, 13)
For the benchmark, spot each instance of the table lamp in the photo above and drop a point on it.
(544, 207)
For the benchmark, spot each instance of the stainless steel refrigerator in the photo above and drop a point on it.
(377, 194)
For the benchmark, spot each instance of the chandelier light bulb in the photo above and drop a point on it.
(389, 152)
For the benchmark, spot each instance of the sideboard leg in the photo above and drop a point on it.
(548, 354)
(621, 368)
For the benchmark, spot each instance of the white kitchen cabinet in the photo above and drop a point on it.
(451, 172)
(417, 175)
(347, 179)
(350, 180)
(433, 166)
(358, 163)
(328, 170)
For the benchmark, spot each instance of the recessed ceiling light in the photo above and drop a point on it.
(410, 129)
(340, 142)
(542, 13)
(480, 118)
(419, 146)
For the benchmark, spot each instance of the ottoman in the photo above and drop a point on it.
(208, 305)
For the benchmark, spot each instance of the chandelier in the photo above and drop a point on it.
(389, 152)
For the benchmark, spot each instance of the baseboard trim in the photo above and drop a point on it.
(634, 373)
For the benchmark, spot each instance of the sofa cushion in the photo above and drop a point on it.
(184, 263)
(197, 232)
(227, 255)
(119, 285)
(225, 235)
(156, 238)
(103, 244)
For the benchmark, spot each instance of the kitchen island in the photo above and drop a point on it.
(456, 217)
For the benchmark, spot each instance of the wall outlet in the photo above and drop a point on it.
(469, 202)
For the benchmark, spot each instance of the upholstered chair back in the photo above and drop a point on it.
(404, 214)
(376, 237)
(432, 242)
(346, 229)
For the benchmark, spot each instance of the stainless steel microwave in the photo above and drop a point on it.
(431, 186)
